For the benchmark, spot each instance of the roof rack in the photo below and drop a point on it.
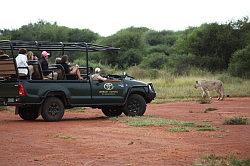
(54, 46)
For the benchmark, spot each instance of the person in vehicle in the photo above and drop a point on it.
(3, 55)
(45, 66)
(74, 70)
(21, 61)
(97, 75)
(58, 60)
(30, 56)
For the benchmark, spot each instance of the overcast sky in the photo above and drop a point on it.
(106, 17)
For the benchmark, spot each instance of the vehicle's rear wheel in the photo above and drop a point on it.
(112, 112)
(53, 109)
(135, 106)
(28, 112)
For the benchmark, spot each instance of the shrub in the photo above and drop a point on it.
(179, 64)
(214, 160)
(154, 60)
(240, 63)
(236, 121)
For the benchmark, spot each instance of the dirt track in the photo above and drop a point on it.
(89, 138)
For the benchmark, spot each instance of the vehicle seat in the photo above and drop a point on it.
(8, 68)
(4, 56)
(60, 71)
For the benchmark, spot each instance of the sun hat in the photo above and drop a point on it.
(45, 54)
(97, 70)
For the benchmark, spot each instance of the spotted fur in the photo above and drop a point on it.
(211, 85)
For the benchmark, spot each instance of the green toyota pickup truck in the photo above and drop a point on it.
(34, 95)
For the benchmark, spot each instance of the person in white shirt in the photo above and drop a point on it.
(21, 61)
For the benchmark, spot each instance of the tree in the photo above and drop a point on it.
(240, 63)
(45, 31)
(212, 40)
(132, 46)
(154, 38)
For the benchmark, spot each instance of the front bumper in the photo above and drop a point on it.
(151, 93)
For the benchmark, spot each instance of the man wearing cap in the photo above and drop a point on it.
(45, 66)
(97, 75)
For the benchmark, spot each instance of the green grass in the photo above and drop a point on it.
(155, 121)
(205, 127)
(179, 129)
(64, 137)
(179, 126)
(76, 109)
(3, 108)
(175, 88)
(236, 121)
(229, 160)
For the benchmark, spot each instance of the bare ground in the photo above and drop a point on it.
(89, 138)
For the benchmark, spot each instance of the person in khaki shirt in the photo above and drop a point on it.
(97, 75)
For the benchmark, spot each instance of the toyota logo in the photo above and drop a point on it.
(108, 86)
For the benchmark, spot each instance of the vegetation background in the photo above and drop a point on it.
(172, 60)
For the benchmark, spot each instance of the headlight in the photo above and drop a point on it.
(150, 87)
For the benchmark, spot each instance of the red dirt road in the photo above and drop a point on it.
(89, 138)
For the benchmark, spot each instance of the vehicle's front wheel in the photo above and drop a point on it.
(53, 109)
(135, 106)
(112, 112)
(28, 112)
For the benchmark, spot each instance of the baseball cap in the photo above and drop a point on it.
(45, 54)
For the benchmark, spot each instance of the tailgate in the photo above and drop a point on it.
(8, 89)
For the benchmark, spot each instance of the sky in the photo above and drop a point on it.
(106, 17)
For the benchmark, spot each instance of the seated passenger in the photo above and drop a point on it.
(97, 75)
(45, 66)
(58, 60)
(30, 57)
(3, 55)
(74, 70)
(21, 61)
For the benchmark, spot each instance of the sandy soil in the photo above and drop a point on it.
(89, 138)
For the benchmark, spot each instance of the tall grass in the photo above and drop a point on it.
(171, 88)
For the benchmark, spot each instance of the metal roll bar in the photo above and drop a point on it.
(55, 46)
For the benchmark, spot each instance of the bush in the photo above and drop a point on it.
(155, 60)
(179, 64)
(236, 121)
(240, 63)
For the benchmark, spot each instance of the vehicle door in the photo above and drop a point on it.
(79, 90)
(108, 92)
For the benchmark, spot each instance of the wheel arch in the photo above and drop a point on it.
(59, 94)
(136, 90)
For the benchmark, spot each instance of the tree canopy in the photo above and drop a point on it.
(211, 46)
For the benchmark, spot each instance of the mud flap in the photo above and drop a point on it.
(16, 110)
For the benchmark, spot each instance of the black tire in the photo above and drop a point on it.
(28, 112)
(52, 110)
(112, 112)
(135, 106)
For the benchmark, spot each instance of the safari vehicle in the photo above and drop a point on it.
(36, 95)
